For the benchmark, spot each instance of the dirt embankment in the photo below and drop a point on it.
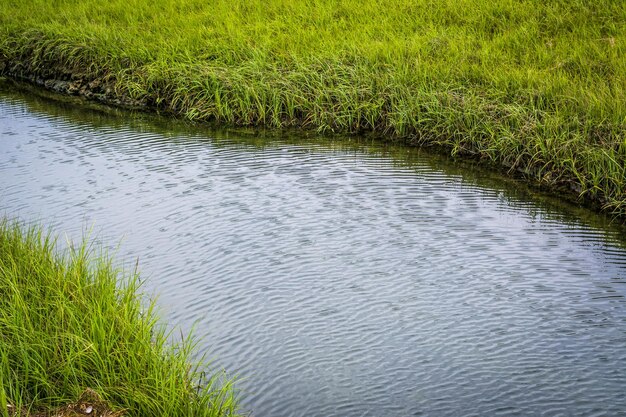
(74, 83)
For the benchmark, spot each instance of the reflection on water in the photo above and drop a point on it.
(339, 278)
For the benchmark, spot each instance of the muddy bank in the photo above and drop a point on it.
(74, 83)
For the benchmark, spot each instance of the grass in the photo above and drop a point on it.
(71, 322)
(533, 86)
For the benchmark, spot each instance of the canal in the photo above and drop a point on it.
(337, 277)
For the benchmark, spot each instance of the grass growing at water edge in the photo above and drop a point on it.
(533, 86)
(71, 321)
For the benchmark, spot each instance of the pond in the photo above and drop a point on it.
(338, 277)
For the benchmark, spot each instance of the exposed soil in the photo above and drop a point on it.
(89, 404)
(71, 83)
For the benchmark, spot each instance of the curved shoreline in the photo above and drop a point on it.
(103, 91)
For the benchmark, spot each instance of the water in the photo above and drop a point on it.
(338, 278)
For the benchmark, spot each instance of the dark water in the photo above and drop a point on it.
(338, 279)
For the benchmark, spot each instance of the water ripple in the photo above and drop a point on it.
(334, 281)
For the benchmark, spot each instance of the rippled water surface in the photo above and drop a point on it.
(339, 279)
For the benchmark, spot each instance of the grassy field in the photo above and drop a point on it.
(530, 85)
(70, 323)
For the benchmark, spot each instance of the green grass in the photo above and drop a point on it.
(70, 322)
(530, 85)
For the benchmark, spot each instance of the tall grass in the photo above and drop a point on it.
(70, 321)
(534, 86)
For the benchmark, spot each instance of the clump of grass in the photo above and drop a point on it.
(71, 322)
(534, 86)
